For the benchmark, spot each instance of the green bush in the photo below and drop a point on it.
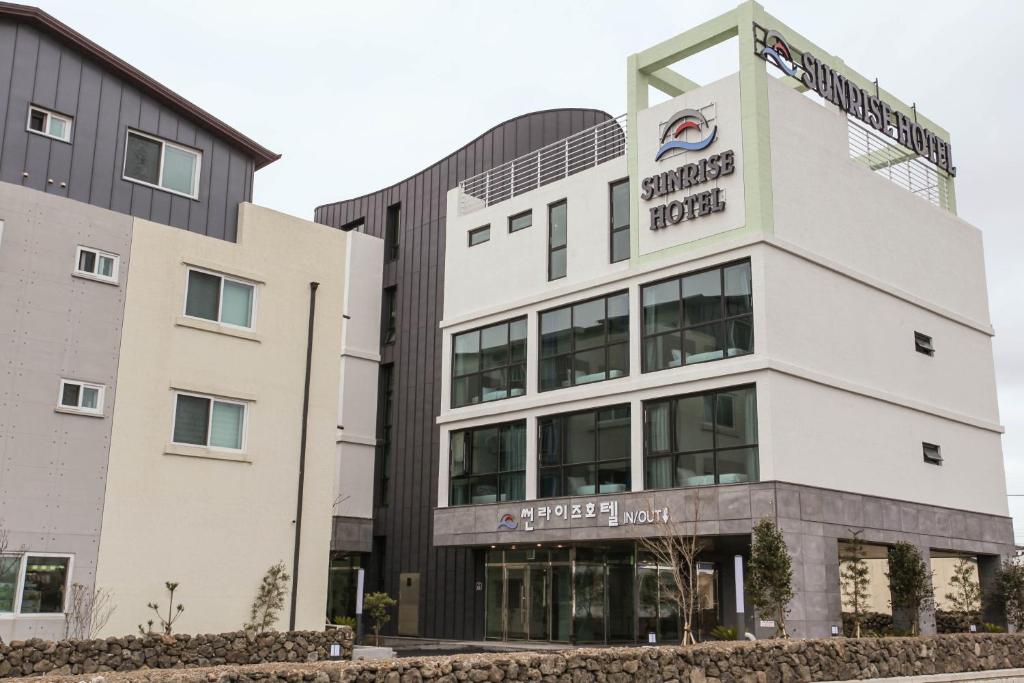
(721, 632)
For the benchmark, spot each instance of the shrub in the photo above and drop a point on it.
(770, 577)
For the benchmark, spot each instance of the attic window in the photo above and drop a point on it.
(48, 123)
(161, 164)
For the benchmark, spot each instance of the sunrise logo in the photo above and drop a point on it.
(507, 522)
(776, 50)
(682, 121)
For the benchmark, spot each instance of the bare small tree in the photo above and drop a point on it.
(10, 560)
(166, 623)
(269, 600)
(676, 546)
(856, 578)
(88, 611)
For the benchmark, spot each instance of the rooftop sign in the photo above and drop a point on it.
(816, 75)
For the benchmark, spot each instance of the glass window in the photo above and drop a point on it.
(48, 123)
(488, 464)
(81, 396)
(520, 221)
(10, 568)
(392, 231)
(701, 439)
(619, 209)
(218, 298)
(489, 364)
(584, 453)
(584, 342)
(162, 164)
(479, 235)
(205, 421)
(44, 585)
(389, 315)
(97, 264)
(696, 318)
(558, 229)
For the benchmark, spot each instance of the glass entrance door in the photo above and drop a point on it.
(516, 605)
(540, 589)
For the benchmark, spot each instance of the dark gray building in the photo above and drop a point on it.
(438, 588)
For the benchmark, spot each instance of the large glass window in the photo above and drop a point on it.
(584, 453)
(619, 208)
(585, 342)
(44, 584)
(558, 236)
(701, 439)
(162, 164)
(389, 315)
(489, 364)
(698, 317)
(488, 464)
(10, 567)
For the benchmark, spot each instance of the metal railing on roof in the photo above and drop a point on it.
(898, 164)
(578, 152)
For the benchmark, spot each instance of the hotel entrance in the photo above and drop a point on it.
(610, 594)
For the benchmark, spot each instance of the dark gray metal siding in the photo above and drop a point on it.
(37, 69)
(450, 606)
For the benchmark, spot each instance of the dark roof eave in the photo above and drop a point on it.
(26, 13)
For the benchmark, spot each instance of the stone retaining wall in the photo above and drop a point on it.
(129, 653)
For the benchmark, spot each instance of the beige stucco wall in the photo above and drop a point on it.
(186, 514)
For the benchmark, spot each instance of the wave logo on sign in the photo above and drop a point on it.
(776, 50)
(507, 521)
(681, 122)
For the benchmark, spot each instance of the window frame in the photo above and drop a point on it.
(595, 463)
(572, 327)
(220, 298)
(358, 225)
(521, 214)
(683, 327)
(19, 584)
(565, 247)
(100, 397)
(937, 459)
(115, 270)
(389, 315)
(69, 122)
(385, 425)
(392, 231)
(160, 175)
(467, 435)
(924, 344)
(477, 231)
(674, 452)
(212, 398)
(480, 372)
(612, 230)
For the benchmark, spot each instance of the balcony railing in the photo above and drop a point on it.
(899, 165)
(561, 159)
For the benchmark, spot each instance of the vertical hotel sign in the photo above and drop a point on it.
(816, 75)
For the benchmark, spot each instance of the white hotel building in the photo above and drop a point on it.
(811, 343)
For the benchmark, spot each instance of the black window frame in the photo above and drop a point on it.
(392, 231)
(359, 225)
(565, 247)
(476, 231)
(612, 230)
(498, 475)
(480, 371)
(606, 345)
(562, 434)
(674, 452)
(389, 315)
(385, 424)
(930, 458)
(723, 320)
(923, 344)
(521, 214)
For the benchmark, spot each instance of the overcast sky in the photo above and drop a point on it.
(359, 95)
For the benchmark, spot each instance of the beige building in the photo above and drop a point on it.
(207, 433)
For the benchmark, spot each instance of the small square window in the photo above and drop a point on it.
(932, 453)
(208, 421)
(96, 264)
(520, 221)
(50, 124)
(220, 299)
(81, 396)
(480, 235)
(923, 344)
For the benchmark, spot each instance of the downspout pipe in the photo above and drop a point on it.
(302, 455)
